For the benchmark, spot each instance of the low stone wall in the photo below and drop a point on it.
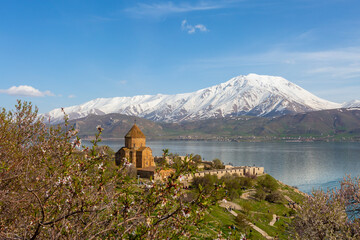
(241, 171)
(146, 173)
(150, 172)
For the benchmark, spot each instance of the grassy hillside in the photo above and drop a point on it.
(260, 213)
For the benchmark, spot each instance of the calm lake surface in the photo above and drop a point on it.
(305, 165)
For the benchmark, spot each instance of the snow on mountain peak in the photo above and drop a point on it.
(253, 94)
(351, 104)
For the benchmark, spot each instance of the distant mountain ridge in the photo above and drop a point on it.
(253, 95)
(352, 104)
(335, 122)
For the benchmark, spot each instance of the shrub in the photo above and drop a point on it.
(246, 207)
(246, 182)
(292, 212)
(232, 185)
(197, 158)
(242, 222)
(217, 164)
(260, 194)
(233, 194)
(330, 215)
(52, 187)
(208, 182)
(275, 197)
(268, 183)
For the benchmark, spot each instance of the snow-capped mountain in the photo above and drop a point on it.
(351, 104)
(256, 95)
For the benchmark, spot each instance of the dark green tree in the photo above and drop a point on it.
(217, 164)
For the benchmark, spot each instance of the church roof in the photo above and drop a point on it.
(135, 132)
(141, 149)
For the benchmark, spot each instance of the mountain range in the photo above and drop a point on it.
(250, 95)
(324, 124)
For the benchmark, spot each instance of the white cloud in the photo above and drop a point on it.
(201, 27)
(344, 63)
(71, 96)
(185, 26)
(160, 9)
(27, 91)
(317, 71)
(339, 94)
(123, 82)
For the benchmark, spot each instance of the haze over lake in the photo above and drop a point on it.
(305, 165)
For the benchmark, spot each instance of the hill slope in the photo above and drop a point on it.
(318, 123)
(115, 125)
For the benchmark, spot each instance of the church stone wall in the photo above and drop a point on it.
(135, 142)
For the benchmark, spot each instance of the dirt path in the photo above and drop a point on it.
(237, 207)
(288, 198)
(262, 232)
(226, 204)
(273, 220)
(247, 194)
(291, 203)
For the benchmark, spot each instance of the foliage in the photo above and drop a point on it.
(159, 161)
(232, 185)
(330, 215)
(242, 222)
(268, 183)
(208, 182)
(217, 164)
(260, 194)
(51, 187)
(246, 182)
(197, 158)
(275, 197)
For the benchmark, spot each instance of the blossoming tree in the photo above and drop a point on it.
(52, 187)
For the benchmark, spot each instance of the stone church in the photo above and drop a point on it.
(135, 150)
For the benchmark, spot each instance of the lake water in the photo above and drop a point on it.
(305, 165)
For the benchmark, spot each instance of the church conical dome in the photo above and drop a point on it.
(135, 132)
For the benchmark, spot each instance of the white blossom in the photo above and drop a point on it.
(101, 166)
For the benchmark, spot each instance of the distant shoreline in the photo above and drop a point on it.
(248, 139)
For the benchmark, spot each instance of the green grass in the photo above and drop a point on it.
(218, 219)
(257, 212)
(261, 212)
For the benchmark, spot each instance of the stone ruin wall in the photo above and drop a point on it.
(241, 171)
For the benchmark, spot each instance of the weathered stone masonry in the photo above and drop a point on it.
(241, 171)
(135, 150)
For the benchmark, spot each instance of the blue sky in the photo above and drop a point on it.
(62, 53)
